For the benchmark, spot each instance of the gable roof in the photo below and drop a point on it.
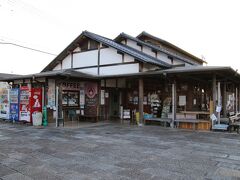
(124, 35)
(108, 42)
(144, 33)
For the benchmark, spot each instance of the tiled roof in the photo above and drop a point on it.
(156, 48)
(128, 50)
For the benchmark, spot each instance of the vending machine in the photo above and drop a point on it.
(14, 104)
(4, 103)
(25, 106)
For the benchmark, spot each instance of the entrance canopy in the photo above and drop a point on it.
(69, 73)
(191, 72)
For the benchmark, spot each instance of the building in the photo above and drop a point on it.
(99, 78)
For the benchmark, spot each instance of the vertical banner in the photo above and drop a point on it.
(91, 99)
(36, 106)
(36, 100)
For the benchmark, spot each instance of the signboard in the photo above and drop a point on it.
(91, 99)
(51, 93)
(72, 86)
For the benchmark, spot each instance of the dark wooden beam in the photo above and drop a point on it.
(224, 103)
(214, 92)
(140, 100)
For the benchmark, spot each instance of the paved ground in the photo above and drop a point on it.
(113, 151)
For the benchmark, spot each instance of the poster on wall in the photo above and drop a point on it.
(230, 102)
(51, 93)
(91, 99)
(14, 104)
(182, 100)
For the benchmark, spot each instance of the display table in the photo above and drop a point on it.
(164, 120)
(192, 120)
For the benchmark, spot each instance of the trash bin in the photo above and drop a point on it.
(37, 118)
(137, 117)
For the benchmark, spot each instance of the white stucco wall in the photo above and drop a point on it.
(77, 49)
(163, 57)
(128, 58)
(84, 59)
(57, 67)
(148, 51)
(109, 56)
(133, 44)
(93, 71)
(119, 69)
(66, 63)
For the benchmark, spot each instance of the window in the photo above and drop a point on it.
(70, 98)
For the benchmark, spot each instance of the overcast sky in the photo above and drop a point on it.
(209, 28)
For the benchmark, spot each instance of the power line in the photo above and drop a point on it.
(25, 47)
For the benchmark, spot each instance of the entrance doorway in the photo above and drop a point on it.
(114, 104)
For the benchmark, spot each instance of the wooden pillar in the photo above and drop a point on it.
(214, 92)
(236, 100)
(174, 103)
(224, 103)
(60, 107)
(219, 101)
(99, 49)
(239, 98)
(141, 94)
(56, 97)
(99, 100)
(71, 54)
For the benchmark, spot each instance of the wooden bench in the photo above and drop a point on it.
(164, 120)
